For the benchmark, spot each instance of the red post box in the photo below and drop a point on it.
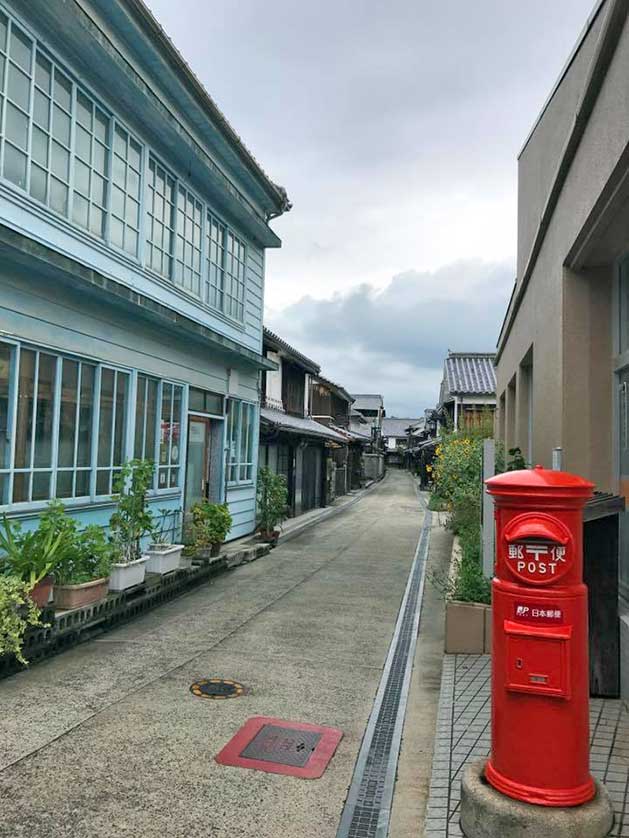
(540, 683)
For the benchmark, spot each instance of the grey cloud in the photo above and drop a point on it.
(395, 340)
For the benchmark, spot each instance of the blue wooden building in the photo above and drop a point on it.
(133, 229)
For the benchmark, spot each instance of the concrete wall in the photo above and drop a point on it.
(552, 321)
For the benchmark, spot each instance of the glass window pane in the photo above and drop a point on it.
(63, 90)
(21, 48)
(140, 407)
(135, 154)
(106, 416)
(3, 31)
(165, 433)
(39, 146)
(60, 162)
(43, 72)
(116, 232)
(101, 127)
(61, 125)
(83, 144)
(41, 485)
(84, 110)
(117, 201)
(58, 196)
(80, 210)
(24, 428)
(99, 190)
(176, 426)
(67, 414)
(21, 484)
(14, 166)
(41, 111)
(97, 221)
(82, 488)
(38, 183)
(5, 374)
(45, 409)
(121, 418)
(82, 177)
(131, 242)
(18, 87)
(64, 484)
(120, 141)
(100, 158)
(133, 184)
(103, 483)
(16, 126)
(174, 477)
(86, 414)
(151, 420)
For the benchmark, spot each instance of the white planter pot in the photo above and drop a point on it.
(163, 559)
(127, 574)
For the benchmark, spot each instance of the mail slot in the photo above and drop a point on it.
(540, 712)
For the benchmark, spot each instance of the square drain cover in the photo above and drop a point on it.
(282, 747)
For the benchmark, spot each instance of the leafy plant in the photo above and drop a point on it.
(210, 523)
(17, 613)
(164, 533)
(517, 461)
(132, 520)
(32, 555)
(272, 499)
(89, 557)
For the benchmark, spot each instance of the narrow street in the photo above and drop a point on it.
(107, 740)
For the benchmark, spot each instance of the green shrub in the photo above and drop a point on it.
(86, 553)
(132, 520)
(17, 613)
(272, 499)
(211, 522)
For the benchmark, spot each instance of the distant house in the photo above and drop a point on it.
(292, 443)
(371, 407)
(468, 388)
(332, 405)
(395, 436)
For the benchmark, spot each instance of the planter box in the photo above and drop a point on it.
(78, 596)
(127, 574)
(163, 559)
(466, 627)
(41, 592)
(185, 562)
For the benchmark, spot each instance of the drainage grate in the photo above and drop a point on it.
(217, 688)
(368, 804)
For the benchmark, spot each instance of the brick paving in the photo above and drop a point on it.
(463, 736)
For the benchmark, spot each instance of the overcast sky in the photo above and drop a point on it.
(395, 128)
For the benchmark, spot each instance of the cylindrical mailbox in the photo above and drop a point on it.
(540, 683)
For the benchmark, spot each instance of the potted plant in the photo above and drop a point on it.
(130, 523)
(272, 504)
(163, 555)
(82, 575)
(18, 612)
(31, 556)
(210, 524)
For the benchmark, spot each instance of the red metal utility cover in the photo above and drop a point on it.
(281, 747)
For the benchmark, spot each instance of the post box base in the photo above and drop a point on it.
(486, 813)
(561, 798)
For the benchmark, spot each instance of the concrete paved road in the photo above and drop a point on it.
(107, 740)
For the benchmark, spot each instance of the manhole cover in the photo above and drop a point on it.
(217, 688)
(282, 747)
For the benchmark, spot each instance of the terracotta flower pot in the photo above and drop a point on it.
(40, 593)
(78, 596)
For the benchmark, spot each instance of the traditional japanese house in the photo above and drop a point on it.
(133, 230)
(395, 436)
(292, 443)
(468, 389)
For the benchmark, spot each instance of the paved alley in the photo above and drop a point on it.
(107, 740)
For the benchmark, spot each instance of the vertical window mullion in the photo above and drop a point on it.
(31, 463)
(158, 432)
(56, 421)
(114, 406)
(95, 430)
(31, 111)
(77, 414)
(170, 428)
(145, 417)
(73, 120)
(13, 396)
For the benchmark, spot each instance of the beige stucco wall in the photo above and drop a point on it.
(567, 317)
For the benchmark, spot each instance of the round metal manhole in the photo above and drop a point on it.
(217, 688)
